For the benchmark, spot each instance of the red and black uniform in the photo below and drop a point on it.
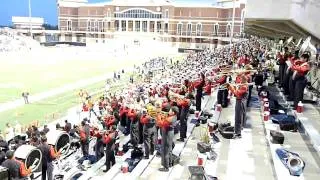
(123, 111)
(149, 134)
(99, 144)
(199, 86)
(134, 127)
(301, 69)
(221, 80)
(240, 110)
(109, 121)
(109, 141)
(84, 139)
(48, 155)
(185, 105)
(207, 88)
(166, 125)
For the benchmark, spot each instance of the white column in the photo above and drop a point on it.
(127, 25)
(141, 26)
(134, 25)
(74, 38)
(148, 26)
(62, 38)
(155, 27)
(120, 25)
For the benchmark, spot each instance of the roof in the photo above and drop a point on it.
(175, 3)
(34, 20)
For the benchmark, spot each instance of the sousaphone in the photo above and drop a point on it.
(309, 48)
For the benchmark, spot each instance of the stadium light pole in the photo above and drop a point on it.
(232, 25)
(30, 18)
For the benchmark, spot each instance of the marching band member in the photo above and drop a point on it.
(184, 104)
(109, 139)
(282, 64)
(99, 143)
(166, 123)
(149, 133)
(207, 88)
(16, 168)
(301, 69)
(134, 126)
(84, 138)
(199, 87)
(240, 113)
(124, 119)
(48, 155)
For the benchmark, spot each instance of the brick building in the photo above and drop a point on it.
(168, 20)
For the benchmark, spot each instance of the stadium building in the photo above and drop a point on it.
(169, 21)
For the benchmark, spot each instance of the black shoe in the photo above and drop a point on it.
(164, 169)
(236, 136)
(145, 157)
(105, 171)
(180, 140)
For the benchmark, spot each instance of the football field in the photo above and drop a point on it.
(51, 68)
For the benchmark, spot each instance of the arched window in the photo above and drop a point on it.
(138, 13)
(199, 29)
(228, 30)
(179, 29)
(189, 29)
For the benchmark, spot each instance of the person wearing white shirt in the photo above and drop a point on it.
(9, 132)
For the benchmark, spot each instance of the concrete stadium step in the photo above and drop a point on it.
(301, 142)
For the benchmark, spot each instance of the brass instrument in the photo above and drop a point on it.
(308, 47)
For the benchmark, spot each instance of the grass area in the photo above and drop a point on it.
(50, 109)
(33, 75)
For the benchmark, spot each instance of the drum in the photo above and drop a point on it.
(31, 156)
(223, 96)
(60, 140)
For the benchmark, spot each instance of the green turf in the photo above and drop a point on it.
(48, 109)
(36, 78)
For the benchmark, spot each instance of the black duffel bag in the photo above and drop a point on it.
(136, 153)
(276, 137)
(226, 130)
(288, 124)
(203, 147)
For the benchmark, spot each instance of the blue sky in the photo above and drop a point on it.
(40, 8)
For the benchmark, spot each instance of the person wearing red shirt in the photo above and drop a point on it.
(109, 140)
(244, 60)
(124, 120)
(166, 123)
(199, 86)
(300, 71)
(240, 113)
(207, 88)
(99, 144)
(149, 133)
(221, 79)
(134, 127)
(282, 64)
(184, 104)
